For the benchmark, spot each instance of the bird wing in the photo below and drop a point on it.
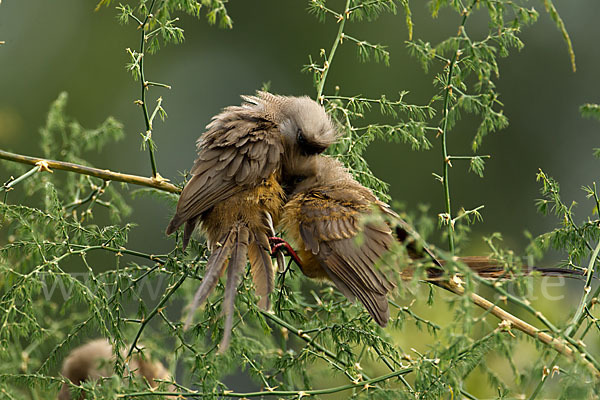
(331, 229)
(238, 151)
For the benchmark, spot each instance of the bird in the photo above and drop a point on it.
(235, 192)
(94, 360)
(330, 220)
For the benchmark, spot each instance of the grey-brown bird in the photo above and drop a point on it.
(325, 219)
(322, 220)
(235, 194)
(95, 359)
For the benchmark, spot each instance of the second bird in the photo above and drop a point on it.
(329, 218)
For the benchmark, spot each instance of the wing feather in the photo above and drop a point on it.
(238, 151)
(347, 252)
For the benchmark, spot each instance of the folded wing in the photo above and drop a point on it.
(238, 151)
(331, 229)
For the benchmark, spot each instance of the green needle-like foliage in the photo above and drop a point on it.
(65, 277)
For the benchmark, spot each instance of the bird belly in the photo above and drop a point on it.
(247, 207)
(311, 266)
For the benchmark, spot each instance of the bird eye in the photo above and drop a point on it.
(308, 146)
(298, 179)
(300, 137)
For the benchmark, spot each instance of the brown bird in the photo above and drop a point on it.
(94, 360)
(323, 219)
(235, 193)
(326, 220)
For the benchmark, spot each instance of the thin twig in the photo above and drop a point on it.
(156, 310)
(579, 314)
(13, 181)
(444, 133)
(468, 157)
(296, 393)
(338, 39)
(309, 340)
(446, 159)
(148, 135)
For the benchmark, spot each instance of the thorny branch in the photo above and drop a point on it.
(528, 329)
(160, 184)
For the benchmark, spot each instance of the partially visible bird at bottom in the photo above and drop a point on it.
(327, 221)
(95, 359)
(235, 195)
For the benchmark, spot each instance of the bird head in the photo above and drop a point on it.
(305, 126)
(306, 131)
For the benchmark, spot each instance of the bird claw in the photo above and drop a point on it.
(276, 239)
(279, 245)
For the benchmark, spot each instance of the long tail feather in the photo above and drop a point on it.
(261, 266)
(490, 268)
(556, 271)
(234, 273)
(190, 225)
(262, 271)
(214, 269)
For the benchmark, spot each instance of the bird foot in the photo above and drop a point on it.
(279, 244)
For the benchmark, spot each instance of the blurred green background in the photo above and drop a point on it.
(66, 46)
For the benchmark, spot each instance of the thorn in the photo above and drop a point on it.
(545, 372)
(457, 280)
(505, 325)
(43, 166)
(159, 178)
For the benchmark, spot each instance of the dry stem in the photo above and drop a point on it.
(559, 345)
(157, 183)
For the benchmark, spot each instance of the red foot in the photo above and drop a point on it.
(278, 244)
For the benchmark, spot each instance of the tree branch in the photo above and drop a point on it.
(558, 345)
(160, 183)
